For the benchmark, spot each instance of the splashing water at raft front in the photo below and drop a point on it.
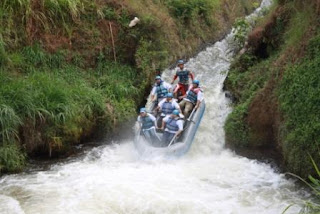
(115, 179)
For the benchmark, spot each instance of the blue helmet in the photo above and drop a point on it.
(180, 61)
(169, 95)
(196, 82)
(175, 112)
(143, 110)
(157, 78)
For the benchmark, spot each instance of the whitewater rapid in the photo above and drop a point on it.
(114, 179)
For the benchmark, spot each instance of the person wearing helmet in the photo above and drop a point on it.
(172, 126)
(168, 105)
(148, 125)
(192, 99)
(183, 75)
(160, 89)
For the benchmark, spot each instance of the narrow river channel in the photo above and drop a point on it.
(114, 179)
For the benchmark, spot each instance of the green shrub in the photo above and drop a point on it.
(314, 47)
(109, 13)
(11, 158)
(241, 29)
(62, 101)
(237, 132)
(300, 103)
(186, 10)
(246, 78)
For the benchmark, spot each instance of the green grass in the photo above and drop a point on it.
(56, 103)
(12, 159)
(297, 87)
(237, 131)
(300, 104)
(9, 123)
(300, 22)
(246, 78)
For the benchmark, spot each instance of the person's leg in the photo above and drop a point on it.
(182, 105)
(164, 138)
(182, 89)
(188, 108)
(147, 135)
(155, 138)
(184, 108)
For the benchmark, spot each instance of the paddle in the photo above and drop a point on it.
(194, 110)
(173, 139)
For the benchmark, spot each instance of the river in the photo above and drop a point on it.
(114, 179)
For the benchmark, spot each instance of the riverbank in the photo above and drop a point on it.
(71, 68)
(274, 83)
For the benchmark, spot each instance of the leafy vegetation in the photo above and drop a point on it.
(241, 29)
(299, 23)
(11, 157)
(299, 99)
(287, 79)
(236, 129)
(57, 103)
(246, 78)
(188, 10)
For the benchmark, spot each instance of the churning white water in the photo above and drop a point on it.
(115, 179)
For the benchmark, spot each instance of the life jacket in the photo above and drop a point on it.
(167, 107)
(147, 123)
(161, 90)
(192, 95)
(172, 125)
(183, 76)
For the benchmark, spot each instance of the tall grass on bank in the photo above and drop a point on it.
(295, 87)
(63, 8)
(9, 123)
(12, 159)
(21, 20)
(56, 103)
(300, 22)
